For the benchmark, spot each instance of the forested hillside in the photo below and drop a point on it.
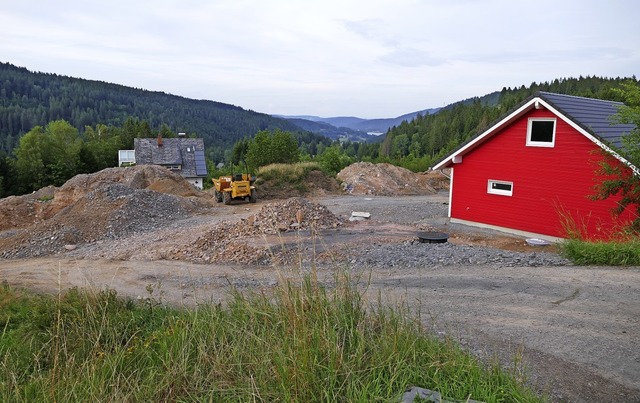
(53, 127)
(29, 99)
(417, 144)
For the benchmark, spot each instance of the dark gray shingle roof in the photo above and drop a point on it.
(593, 115)
(187, 152)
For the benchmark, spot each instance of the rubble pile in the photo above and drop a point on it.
(296, 213)
(230, 242)
(19, 211)
(112, 203)
(224, 243)
(365, 178)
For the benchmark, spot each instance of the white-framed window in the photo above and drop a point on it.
(503, 188)
(541, 132)
(126, 157)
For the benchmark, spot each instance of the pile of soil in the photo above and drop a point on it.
(365, 178)
(20, 211)
(112, 203)
(241, 241)
(294, 213)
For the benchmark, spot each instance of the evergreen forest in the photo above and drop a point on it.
(29, 99)
(53, 127)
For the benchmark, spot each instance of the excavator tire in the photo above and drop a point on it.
(254, 196)
(226, 197)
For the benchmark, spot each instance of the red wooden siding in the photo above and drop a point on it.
(546, 182)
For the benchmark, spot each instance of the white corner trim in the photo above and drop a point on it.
(450, 192)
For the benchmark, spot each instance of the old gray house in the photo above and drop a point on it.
(183, 155)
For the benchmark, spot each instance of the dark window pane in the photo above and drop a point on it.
(501, 186)
(542, 131)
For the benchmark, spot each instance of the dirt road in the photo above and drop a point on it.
(577, 328)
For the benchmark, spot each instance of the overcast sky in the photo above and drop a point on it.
(368, 58)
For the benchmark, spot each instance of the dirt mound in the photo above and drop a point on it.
(112, 203)
(439, 180)
(150, 177)
(18, 211)
(295, 213)
(365, 178)
(230, 242)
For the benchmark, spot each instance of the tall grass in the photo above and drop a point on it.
(623, 248)
(613, 253)
(287, 173)
(303, 342)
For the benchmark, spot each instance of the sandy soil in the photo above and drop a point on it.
(576, 328)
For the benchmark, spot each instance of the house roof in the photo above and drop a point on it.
(186, 152)
(591, 117)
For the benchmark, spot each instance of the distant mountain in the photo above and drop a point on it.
(333, 132)
(29, 99)
(372, 127)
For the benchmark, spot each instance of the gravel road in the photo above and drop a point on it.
(576, 328)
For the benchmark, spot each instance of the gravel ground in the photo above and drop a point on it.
(413, 254)
(577, 329)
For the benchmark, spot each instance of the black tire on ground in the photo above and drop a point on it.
(218, 196)
(226, 197)
(254, 196)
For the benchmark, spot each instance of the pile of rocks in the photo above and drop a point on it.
(110, 204)
(240, 242)
(293, 214)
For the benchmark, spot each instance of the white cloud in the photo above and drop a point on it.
(379, 58)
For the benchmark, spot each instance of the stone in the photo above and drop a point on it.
(428, 395)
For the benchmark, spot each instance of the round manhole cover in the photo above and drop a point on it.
(432, 237)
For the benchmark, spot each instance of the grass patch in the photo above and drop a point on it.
(615, 253)
(303, 342)
(287, 173)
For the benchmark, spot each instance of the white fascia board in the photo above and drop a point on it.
(513, 115)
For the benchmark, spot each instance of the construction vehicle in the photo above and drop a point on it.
(235, 187)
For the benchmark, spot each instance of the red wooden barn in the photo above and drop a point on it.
(536, 167)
